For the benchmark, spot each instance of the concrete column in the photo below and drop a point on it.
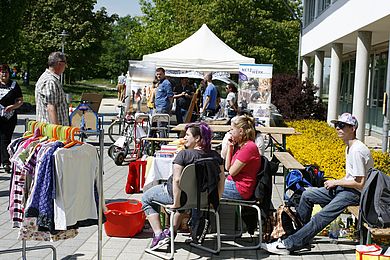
(318, 71)
(334, 81)
(386, 105)
(305, 68)
(363, 47)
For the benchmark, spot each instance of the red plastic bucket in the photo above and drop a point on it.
(124, 219)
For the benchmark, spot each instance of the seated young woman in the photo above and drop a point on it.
(242, 159)
(198, 145)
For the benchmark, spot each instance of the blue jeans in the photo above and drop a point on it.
(333, 203)
(157, 193)
(180, 114)
(230, 191)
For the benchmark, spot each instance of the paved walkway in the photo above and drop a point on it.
(84, 246)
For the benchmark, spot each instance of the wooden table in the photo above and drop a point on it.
(284, 131)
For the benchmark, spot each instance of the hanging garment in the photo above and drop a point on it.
(75, 180)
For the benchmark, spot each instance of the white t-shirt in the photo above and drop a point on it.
(358, 160)
(231, 96)
(76, 173)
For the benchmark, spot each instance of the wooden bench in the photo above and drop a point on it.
(289, 163)
(371, 232)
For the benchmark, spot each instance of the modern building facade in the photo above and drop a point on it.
(355, 35)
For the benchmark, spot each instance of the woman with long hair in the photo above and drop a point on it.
(242, 159)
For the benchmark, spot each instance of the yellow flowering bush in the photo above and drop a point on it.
(319, 144)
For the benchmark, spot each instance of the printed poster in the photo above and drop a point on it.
(254, 91)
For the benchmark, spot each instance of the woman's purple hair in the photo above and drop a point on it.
(203, 130)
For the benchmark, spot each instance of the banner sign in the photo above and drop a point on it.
(254, 91)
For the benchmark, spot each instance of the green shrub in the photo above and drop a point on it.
(319, 144)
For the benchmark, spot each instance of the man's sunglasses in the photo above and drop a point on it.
(340, 125)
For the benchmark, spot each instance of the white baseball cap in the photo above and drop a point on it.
(346, 118)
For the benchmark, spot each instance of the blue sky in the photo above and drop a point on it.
(120, 7)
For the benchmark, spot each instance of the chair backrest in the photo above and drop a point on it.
(142, 118)
(188, 185)
(160, 118)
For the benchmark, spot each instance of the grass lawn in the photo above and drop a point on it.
(75, 90)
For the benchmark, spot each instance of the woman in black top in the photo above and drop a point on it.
(198, 145)
(11, 98)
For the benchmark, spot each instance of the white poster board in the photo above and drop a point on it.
(254, 91)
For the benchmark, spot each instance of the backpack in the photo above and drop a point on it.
(314, 176)
(295, 186)
(262, 194)
(287, 223)
(375, 200)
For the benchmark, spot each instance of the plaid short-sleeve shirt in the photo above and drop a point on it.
(48, 90)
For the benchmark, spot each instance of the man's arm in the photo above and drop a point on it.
(206, 103)
(356, 183)
(177, 169)
(52, 112)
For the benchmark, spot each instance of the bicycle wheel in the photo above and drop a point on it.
(115, 130)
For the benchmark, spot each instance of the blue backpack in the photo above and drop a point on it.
(297, 182)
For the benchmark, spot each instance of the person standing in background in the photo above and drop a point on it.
(231, 107)
(164, 94)
(121, 87)
(209, 97)
(183, 96)
(11, 98)
(50, 99)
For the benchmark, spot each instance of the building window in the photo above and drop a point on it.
(309, 9)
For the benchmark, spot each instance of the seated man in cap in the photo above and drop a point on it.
(335, 196)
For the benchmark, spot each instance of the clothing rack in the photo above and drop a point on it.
(24, 248)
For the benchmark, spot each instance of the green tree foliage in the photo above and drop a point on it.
(262, 29)
(119, 47)
(44, 20)
(11, 23)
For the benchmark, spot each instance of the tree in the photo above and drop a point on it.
(44, 20)
(296, 99)
(11, 23)
(118, 48)
(262, 29)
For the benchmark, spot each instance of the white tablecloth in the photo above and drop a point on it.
(160, 169)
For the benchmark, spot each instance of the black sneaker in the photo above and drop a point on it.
(7, 168)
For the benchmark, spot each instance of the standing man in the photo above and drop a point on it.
(121, 87)
(335, 196)
(163, 94)
(49, 95)
(209, 97)
(183, 96)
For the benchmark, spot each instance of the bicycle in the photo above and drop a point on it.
(131, 141)
(117, 127)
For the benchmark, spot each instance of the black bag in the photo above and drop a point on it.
(200, 226)
(375, 200)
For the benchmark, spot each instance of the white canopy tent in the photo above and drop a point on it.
(202, 51)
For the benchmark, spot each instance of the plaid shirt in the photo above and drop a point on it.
(48, 90)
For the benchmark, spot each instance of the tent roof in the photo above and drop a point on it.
(202, 51)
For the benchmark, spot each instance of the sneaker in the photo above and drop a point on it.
(159, 241)
(7, 168)
(276, 247)
(167, 233)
